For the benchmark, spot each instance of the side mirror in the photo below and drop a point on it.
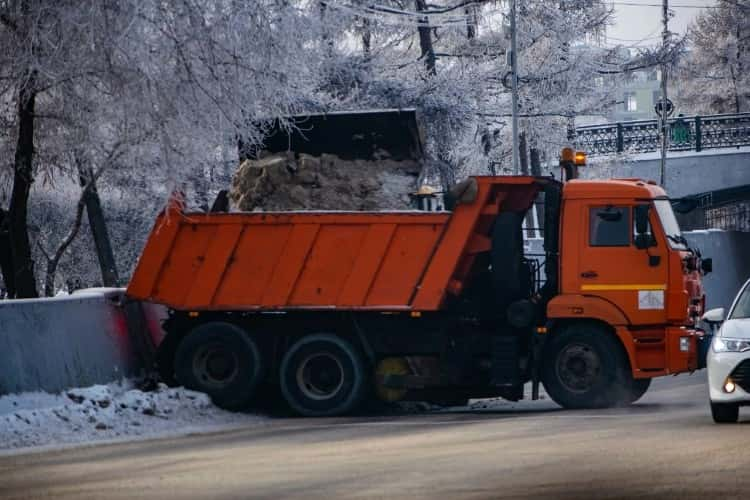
(642, 241)
(707, 265)
(714, 315)
(641, 219)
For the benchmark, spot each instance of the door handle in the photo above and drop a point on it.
(589, 274)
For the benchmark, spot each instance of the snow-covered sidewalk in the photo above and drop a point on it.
(114, 412)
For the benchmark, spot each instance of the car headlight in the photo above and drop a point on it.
(723, 344)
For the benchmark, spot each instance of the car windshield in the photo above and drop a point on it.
(741, 308)
(669, 223)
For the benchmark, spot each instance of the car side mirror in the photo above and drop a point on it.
(714, 315)
(707, 265)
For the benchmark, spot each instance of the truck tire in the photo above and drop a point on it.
(639, 388)
(584, 367)
(222, 360)
(725, 413)
(323, 375)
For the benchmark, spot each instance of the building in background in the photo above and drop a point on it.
(638, 96)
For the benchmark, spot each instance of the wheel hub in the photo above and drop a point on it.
(578, 367)
(320, 376)
(215, 366)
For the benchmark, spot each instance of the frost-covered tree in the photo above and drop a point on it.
(715, 75)
(145, 96)
(166, 86)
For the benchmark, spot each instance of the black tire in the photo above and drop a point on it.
(584, 367)
(222, 360)
(323, 375)
(725, 413)
(639, 388)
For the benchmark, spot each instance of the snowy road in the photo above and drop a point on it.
(664, 447)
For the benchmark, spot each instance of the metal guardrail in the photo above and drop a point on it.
(686, 133)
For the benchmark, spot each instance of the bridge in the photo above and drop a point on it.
(686, 133)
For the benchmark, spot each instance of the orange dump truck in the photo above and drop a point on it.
(336, 307)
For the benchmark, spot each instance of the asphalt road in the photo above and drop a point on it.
(663, 447)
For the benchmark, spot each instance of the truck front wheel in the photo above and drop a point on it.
(221, 360)
(640, 386)
(322, 375)
(584, 367)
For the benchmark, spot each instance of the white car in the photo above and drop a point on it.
(728, 360)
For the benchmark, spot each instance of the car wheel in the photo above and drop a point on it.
(584, 367)
(725, 413)
(221, 360)
(323, 375)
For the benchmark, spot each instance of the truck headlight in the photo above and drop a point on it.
(723, 344)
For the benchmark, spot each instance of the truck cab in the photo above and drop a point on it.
(624, 263)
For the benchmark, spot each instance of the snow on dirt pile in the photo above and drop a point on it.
(285, 181)
(116, 411)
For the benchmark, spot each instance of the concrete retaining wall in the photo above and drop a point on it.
(730, 251)
(72, 341)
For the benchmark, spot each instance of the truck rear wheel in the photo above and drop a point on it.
(221, 360)
(322, 375)
(584, 368)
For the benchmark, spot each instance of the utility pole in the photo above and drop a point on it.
(664, 125)
(514, 83)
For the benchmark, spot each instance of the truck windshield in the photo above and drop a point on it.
(669, 223)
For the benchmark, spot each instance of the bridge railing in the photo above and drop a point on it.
(685, 133)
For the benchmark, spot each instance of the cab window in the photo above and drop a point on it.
(609, 226)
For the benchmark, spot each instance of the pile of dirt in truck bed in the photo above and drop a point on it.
(287, 181)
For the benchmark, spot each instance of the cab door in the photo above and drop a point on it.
(611, 267)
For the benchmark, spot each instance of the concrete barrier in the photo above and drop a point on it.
(730, 251)
(70, 341)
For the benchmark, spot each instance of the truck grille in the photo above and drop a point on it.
(741, 375)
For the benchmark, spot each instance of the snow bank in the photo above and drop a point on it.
(113, 412)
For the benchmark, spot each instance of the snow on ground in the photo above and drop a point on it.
(114, 412)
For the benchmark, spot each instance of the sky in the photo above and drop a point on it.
(641, 25)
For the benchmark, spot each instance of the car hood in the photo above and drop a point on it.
(736, 328)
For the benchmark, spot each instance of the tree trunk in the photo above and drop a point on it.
(54, 260)
(98, 226)
(6, 257)
(366, 39)
(536, 164)
(471, 22)
(522, 153)
(425, 39)
(23, 176)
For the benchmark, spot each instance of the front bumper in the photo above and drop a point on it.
(722, 365)
(683, 349)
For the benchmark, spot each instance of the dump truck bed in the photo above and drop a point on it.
(321, 260)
